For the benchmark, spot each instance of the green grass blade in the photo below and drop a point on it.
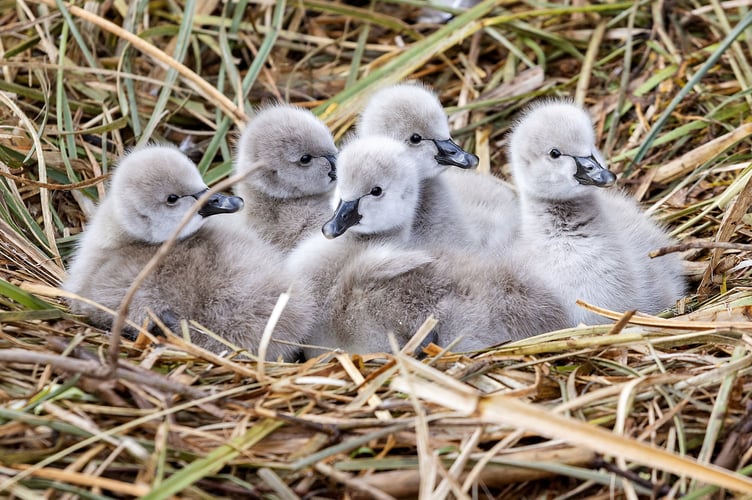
(357, 57)
(420, 52)
(213, 462)
(181, 49)
(265, 48)
(365, 15)
(248, 81)
(709, 63)
(219, 139)
(23, 297)
(71, 26)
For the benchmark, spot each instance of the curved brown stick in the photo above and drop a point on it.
(688, 245)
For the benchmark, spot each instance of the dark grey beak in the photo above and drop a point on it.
(221, 204)
(332, 163)
(451, 154)
(591, 173)
(345, 216)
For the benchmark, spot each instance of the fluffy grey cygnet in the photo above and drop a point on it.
(587, 241)
(225, 280)
(412, 114)
(292, 157)
(370, 280)
(458, 206)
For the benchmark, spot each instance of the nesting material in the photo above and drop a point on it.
(670, 392)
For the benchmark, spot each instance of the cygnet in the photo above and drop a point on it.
(412, 114)
(458, 206)
(369, 280)
(588, 242)
(291, 157)
(227, 281)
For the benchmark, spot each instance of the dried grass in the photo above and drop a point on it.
(644, 407)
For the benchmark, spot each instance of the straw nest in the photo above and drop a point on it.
(641, 407)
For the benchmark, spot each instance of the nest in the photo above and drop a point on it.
(642, 406)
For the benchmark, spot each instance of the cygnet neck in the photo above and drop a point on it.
(272, 208)
(573, 217)
(107, 230)
(398, 235)
(437, 216)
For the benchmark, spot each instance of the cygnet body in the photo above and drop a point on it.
(291, 157)
(588, 242)
(227, 281)
(412, 114)
(458, 206)
(370, 280)
(490, 206)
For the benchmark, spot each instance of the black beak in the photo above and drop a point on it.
(221, 204)
(591, 173)
(345, 216)
(332, 159)
(451, 154)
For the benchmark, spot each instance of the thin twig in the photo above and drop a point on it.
(660, 490)
(86, 480)
(667, 323)
(623, 321)
(689, 245)
(55, 187)
(92, 368)
(352, 482)
(330, 429)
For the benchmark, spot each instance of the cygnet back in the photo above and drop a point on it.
(227, 281)
(588, 242)
(292, 156)
(490, 206)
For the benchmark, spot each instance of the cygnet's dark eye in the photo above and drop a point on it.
(554, 153)
(415, 139)
(306, 159)
(172, 199)
(377, 191)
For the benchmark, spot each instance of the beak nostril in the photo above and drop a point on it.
(591, 173)
(449, 153)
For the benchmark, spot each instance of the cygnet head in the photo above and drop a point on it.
(411, 113)
(553, 154)
(152, 189)
(377, 188)
(295, 151)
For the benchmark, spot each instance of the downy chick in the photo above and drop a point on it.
(587, 242)
(412, 114)
(287, 196)
(370, 280)
(458, 206)
(224, 280)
